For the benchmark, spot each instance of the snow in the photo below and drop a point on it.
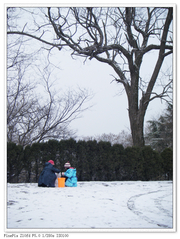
(91, 205)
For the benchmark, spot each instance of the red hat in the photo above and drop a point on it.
(51, 161)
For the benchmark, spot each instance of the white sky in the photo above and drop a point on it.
(109, 113)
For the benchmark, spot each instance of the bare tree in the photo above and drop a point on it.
(30, 120)
(124, 138)
(119, 37)
(32, 116)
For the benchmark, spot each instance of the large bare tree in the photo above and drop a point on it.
(119, 37)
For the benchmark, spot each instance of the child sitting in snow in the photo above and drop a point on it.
(48, 175)
(70, 174)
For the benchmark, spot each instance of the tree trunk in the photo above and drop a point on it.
(136, 110)
(137, 128)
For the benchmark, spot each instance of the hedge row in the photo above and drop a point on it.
(94, 161)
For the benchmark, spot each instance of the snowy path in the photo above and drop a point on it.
(101, 205)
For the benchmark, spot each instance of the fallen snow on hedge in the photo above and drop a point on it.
(101, 205)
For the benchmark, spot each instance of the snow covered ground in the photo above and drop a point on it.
(92, 205)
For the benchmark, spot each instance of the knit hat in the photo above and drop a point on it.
(51, 161)
(67, 165)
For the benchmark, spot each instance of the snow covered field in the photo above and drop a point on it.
(92, 205)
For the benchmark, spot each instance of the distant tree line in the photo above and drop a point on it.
(94, 161)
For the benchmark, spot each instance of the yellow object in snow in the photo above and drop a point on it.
(61, 182)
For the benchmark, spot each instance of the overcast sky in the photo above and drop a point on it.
(109, 113)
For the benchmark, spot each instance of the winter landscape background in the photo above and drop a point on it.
(116, 204)
(92, 205)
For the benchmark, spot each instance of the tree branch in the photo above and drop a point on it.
(160, 59)
(35, 37)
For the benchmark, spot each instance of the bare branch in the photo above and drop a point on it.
(35, 37)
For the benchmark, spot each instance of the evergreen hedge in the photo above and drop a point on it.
(94, 161)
